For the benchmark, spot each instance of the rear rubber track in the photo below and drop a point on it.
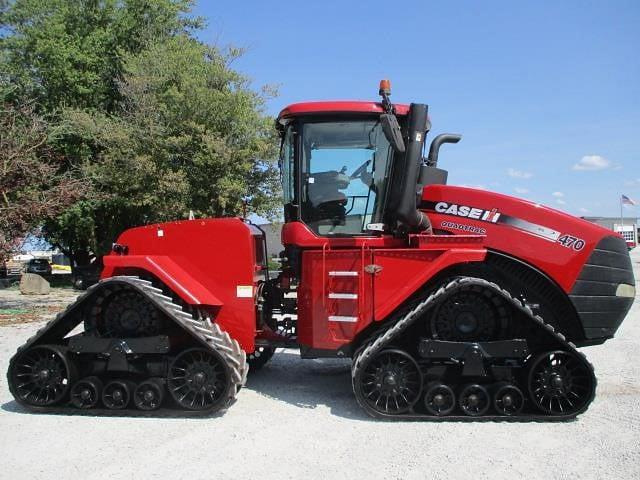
(413, 313)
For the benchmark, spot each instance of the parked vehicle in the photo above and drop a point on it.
(41, 266)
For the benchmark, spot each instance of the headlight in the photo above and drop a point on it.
(625, 290)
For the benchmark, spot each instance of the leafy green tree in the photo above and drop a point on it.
(158, 123)
(69, 53)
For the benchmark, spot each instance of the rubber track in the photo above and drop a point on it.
(385, 337)
(202, 329)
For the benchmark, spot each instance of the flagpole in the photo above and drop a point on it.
(621, 218)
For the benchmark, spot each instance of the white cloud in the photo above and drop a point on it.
(632, 183)
(584, 210)
(521, 190)
(558, 194)
(560, 201)
(592, 162)
(512, 172)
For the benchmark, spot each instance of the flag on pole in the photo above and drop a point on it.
(626, 200)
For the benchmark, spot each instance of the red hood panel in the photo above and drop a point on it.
(555, 242)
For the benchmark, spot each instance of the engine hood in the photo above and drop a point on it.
(555, 242)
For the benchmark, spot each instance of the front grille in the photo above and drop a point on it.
(594, 293)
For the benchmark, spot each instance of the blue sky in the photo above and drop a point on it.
(546, 94)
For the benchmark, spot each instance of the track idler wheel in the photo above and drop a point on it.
(199, 379)
(439, 399)
(41, 376)
(560, 383)
(508, 399)
(86, 393)
(390, 383)
(117, 394)
(474, 400)
(149, 394)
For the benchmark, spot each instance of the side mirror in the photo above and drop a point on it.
(392, 132)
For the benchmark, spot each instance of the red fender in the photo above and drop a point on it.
(168, 272)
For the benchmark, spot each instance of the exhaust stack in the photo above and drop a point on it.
(406, 210)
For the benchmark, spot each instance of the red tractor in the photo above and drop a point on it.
(451, 302)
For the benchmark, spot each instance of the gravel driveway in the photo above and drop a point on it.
(298, 419)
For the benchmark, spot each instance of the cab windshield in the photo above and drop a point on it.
(344, 169)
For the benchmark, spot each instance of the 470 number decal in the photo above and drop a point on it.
(570, 241)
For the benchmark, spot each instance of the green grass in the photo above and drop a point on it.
(12, 311)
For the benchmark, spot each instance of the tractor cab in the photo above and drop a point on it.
(353, 168)
(335, 167)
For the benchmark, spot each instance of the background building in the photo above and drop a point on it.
(628, 227)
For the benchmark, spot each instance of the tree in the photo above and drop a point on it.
(33, 185)
(158, 123)
(201, 119)
(190, 137)
(68, 53)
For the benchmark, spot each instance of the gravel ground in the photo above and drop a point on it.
(298, 419)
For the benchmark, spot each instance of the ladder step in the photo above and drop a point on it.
(343, 296)
(344, 273)
(339, 318)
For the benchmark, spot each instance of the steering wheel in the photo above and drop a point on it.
(360, 170)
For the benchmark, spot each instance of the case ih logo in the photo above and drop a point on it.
(467, 212)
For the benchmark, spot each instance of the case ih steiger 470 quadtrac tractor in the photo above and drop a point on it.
(450, 301)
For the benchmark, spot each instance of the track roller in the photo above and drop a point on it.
(474, 400)
(41, 376)
(149, 394)
(117, 394)
(439, 399)
(508, 399)
(86, 393)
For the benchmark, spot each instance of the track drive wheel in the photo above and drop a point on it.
(439, 399)
(470, 316)
(474, 400)
(560, 383)
(390, 383)
(260, 357)
(124, 313)
(86, 393)
(41, 376)
(199, 379)
(149, 394)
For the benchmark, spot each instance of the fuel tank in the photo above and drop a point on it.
(587, 262)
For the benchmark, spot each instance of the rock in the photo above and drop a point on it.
(33, 284)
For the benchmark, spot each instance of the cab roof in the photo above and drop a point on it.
(340, 106)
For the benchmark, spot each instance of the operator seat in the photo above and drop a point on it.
(324, 195)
